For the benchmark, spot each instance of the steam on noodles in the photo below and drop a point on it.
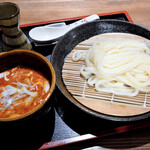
(117, 65)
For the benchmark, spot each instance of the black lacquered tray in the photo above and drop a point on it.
(61, 120)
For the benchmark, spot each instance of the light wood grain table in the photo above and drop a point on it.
(139, 10)
(42, 10)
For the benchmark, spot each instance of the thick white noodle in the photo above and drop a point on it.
(112, 98)
(117, 65)
(83, 93)
(145, 100)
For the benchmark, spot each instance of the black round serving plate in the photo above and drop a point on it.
(69, 41)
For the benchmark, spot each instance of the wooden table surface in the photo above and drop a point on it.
(43, 10)
(139, 10)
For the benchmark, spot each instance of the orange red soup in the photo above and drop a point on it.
(21, 90)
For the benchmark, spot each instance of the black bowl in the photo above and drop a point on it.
(81, 33)
(36, 61)
(35, 127)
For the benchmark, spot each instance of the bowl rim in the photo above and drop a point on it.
(76, 102)
(15, 51)
(13, 5)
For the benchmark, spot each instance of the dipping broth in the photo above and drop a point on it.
(21, 90)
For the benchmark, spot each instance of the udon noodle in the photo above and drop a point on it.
(116, 65)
